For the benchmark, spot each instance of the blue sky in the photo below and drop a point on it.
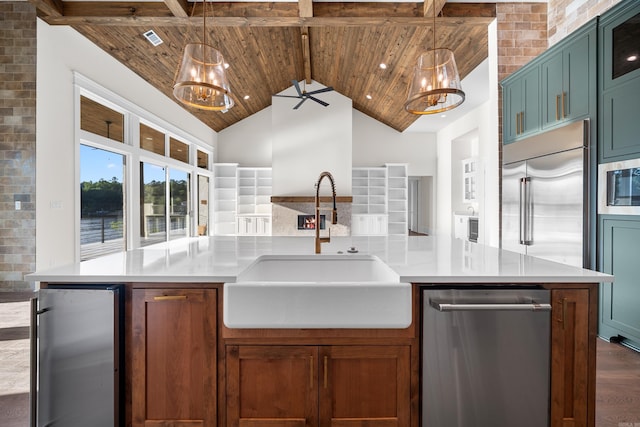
(96, 164)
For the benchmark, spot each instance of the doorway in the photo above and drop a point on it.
(420, 212)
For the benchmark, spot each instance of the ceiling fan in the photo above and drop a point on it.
(304, 95)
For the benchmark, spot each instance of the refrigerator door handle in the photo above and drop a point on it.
(526, 211)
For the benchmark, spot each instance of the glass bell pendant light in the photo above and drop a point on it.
(435, 86)
(201, 80)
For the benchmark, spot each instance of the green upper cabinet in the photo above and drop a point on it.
(568, 76)
(521, 109)
(557, 87)
(619, 71)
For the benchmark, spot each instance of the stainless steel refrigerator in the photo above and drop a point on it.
(545, 193)
(77, 352)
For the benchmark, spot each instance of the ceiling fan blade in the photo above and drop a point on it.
(326, 89)
(287, 96)
(319, 101)
(295, 83)
(299, 103)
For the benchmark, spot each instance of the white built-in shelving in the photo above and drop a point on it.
(469, 180)
(254, 201)
(224, 198)
(369, 208)
(397, 198)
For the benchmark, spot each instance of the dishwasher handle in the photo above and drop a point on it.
(533, 306)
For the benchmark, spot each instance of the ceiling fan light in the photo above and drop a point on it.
(201, 81)
(435, 86)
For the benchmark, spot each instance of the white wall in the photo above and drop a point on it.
(247, 142)
(483, 122)
(61, 51)
(310, 140)
(374, 144)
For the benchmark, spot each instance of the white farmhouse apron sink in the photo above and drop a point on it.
(317, 291)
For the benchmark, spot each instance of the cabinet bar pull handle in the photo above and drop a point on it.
(517, 123)
(522, 122)
(557, 107)
(564, 113)
(311, 370)
(326, 363)
(169, 297)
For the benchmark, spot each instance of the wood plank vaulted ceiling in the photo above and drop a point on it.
(264, 44)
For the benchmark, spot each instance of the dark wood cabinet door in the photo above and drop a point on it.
(272, 386)
(570, 378)
(174, 358)
(365, 386)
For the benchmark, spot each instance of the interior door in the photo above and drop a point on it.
(556, 188)
(512, 174)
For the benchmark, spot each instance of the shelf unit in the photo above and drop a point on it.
(369, 208)
(397, 198)
(469, 180)
(369, 186)
(224, 200)
(254, 201)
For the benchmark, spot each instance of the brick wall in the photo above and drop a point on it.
(522, 35)
(565, 16)
(17, 143)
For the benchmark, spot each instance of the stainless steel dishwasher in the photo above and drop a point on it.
(485, 357)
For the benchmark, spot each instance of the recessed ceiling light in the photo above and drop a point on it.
(383, 66)
(632, 58)
(369, 97)
(443, 116)
(246, 97)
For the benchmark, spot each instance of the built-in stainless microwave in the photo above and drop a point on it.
(619, 188)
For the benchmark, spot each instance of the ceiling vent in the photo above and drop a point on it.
(153, 38)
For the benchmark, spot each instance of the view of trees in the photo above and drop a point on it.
(105, 197)
(101, 197)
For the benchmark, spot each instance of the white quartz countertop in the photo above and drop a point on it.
(416, 259)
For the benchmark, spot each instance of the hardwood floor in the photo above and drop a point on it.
(617, 387)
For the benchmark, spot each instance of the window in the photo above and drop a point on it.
(162, 162)
(178, 150)
(102, 210)
(101, 120)
(151, 139)
(153, 225)
(179, 202)
(203, 160)
(203, 205)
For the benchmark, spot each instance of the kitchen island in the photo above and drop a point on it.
(184, 366)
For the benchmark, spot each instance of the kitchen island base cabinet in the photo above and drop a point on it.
(173, 372)
(573, 358)
(325, 386)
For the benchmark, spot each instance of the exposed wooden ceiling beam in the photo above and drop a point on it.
(306, 54)
(430, 5)
(264, 22)
(179, 8)
(245, 14)
(305, 8)
(48, 7)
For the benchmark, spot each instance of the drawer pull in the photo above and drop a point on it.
(169, 297)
